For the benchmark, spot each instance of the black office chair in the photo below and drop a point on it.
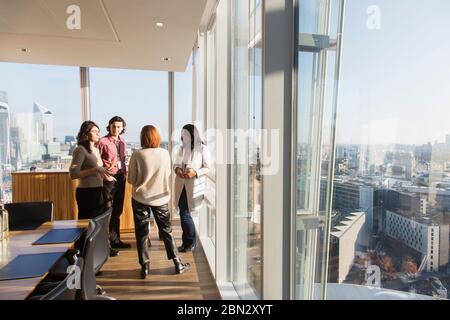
(88, 281)
(102, 247)
(29, 215)
(59, 290)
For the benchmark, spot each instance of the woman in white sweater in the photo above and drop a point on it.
(191, 164)
(149, 174)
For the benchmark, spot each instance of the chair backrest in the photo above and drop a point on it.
(102, 248)
(29, 215)
(88, 281)
(63, 291)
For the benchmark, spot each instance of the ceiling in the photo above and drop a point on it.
(113, 33)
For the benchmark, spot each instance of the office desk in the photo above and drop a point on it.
(20, 242)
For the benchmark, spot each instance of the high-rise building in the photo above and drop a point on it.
(4, 128)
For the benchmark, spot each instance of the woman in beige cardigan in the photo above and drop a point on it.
(149, 174)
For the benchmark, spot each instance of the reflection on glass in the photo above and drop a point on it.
(246, 175)
(39, 118)
(386, 235)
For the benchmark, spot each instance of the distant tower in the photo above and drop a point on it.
(4, 128)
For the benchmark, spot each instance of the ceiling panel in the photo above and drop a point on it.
(114, 33)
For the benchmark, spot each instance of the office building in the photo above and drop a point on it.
(4, 128)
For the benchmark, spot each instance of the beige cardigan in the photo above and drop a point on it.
(149, 174)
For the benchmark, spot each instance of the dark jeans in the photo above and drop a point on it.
(141, 214)
(90, 202)
(187, 223)
(114, 192)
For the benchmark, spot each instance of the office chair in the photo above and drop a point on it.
(88, 281)
(29, 215)
(102, 247)
(59, 290)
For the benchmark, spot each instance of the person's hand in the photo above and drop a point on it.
(111, 168)
(102, 170)
(179, 173)
(190, 174)
(109, 178)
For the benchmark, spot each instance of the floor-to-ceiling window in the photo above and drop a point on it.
(211, 128)
(373, 148)
(40, 114)
(183, 98)
(138, 96)
(246, 180)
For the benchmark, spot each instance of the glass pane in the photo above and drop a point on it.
(40, 114)
(183, 98)
(385, 170)
(246, 175)
(140, 97)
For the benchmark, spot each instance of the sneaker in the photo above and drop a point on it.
(118, 244)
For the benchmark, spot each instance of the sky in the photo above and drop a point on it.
(395, 80)
(140, 97)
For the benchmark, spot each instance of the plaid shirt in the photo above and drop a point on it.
(109, 151)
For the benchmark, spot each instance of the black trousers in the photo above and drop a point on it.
(89, 202)
(141, 214)
(114, 192)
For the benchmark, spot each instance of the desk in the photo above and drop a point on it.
(20, 242)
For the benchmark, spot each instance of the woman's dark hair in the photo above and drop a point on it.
(116, 119)
(194, 133)
(82, 137)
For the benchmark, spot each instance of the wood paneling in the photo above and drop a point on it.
(47, 186)
(56, 186)
(126, 219)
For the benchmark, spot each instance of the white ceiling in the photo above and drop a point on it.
(114, 33)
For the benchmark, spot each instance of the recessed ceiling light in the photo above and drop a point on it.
(24, 50)
(165, 59)
(160, 24)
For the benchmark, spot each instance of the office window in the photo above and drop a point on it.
(211, 127)
(373, 140)
(246, 179)
(140, 97)
(183, 98)
(40, 114)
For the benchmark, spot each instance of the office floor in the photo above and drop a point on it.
(120, 275)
